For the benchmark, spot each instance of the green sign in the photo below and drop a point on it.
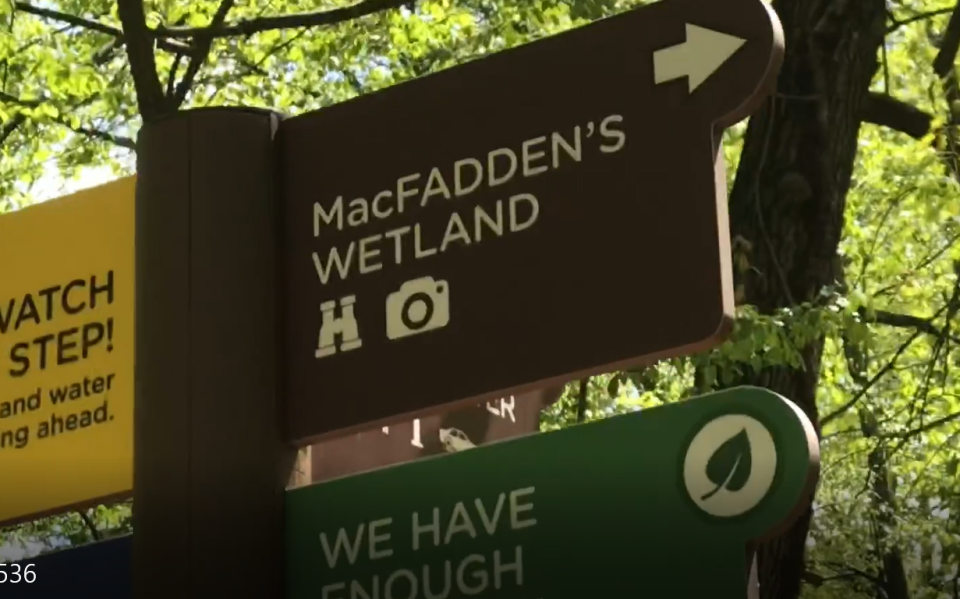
(659, 503)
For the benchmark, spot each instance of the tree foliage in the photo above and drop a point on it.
(866, 322)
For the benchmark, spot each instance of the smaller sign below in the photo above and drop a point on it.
(688, 483)
(494, 420)
(66, 352)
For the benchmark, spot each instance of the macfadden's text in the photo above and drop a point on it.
(467, 225)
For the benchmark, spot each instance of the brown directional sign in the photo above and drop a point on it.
(546, 212)
(436, 434)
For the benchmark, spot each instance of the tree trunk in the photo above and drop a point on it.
(789, 196)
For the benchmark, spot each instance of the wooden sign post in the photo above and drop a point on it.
(209, 465)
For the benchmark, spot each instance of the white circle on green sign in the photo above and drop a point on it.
(730, 465)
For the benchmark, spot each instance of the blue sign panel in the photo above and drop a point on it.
(96, 571)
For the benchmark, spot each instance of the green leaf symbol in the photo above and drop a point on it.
(729, 466)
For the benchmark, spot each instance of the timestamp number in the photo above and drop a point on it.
(17, 573)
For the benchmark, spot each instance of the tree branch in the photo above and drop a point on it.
(10, 126)
(943, 63)
(55, 15)
(143, 64)
(88, 522)
(918, 326)
(201, 48)
(920, 17)
(292, 21)
(5, 97)
(582, 400)
(119, 140)
(924, 428)
(886, 111)
(873, 381)
(905, 321)
(816, 580)
(172, 75)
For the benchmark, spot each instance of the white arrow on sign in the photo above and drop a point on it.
(697, 58)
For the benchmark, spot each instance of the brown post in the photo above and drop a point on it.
(209, 467)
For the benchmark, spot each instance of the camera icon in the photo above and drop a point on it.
(420, 305)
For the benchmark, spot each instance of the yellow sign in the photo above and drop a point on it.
(66, 351)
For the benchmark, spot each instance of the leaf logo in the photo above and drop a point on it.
(730, 465)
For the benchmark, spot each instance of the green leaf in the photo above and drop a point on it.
(729, 466)
(952, 467)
